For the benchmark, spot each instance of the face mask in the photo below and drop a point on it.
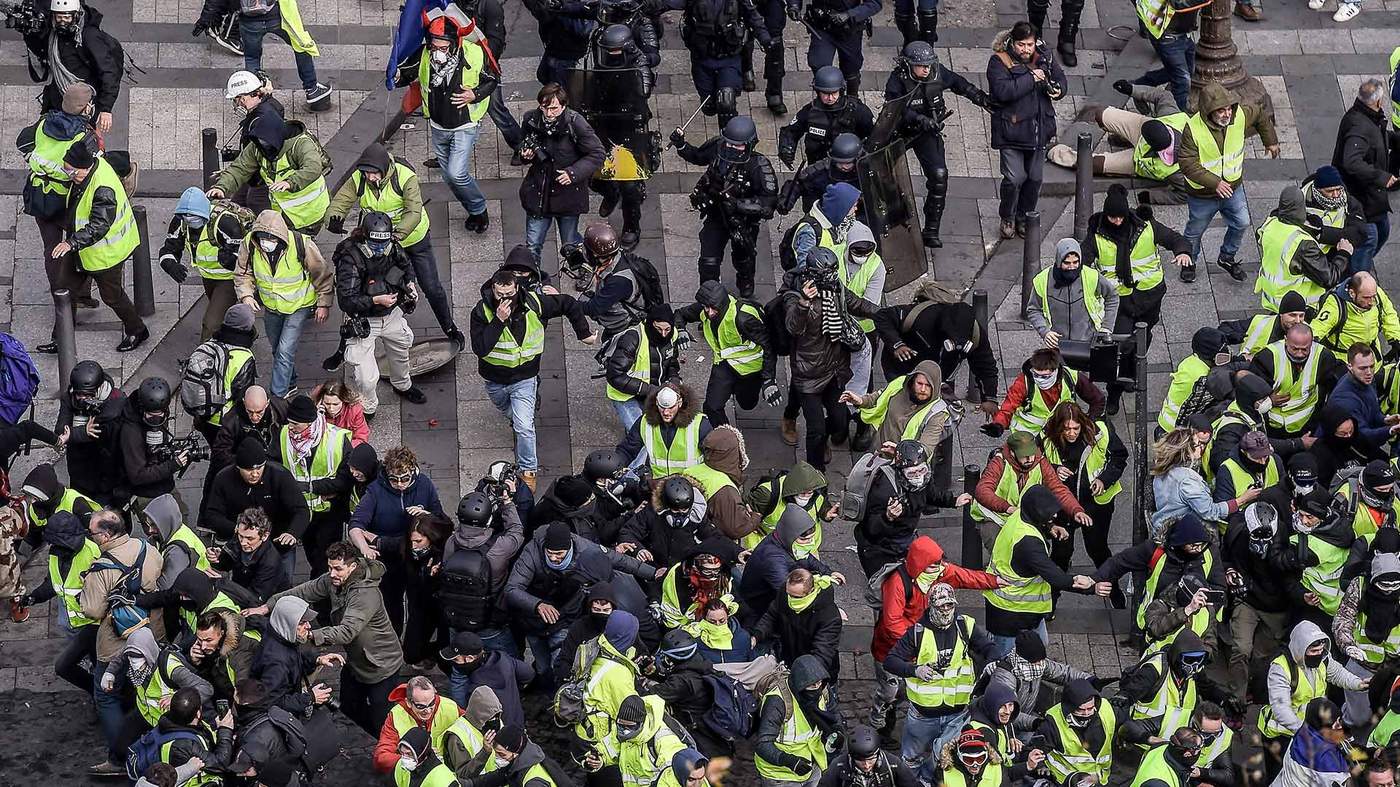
(1377, 498)
(629, 732)
(965, 347)
(195, 223)
(917, 477)
(676, 520)
(153, 419)
(378, 248)
(1047, 381)
(268, 245)
(1189, 665)
(803, 499)
(1300, 526)
(240, 111)
(1388, 588)
(1065, 277)
(1263, 406)
(493, 725)
(408, 762)
(562, 564)
(1079, 722)
(942, 617)
(811, 695)
(1302, 490)
(801, 550)
(1313, 662)
(419, 554)
(439, 56)
(138, 671)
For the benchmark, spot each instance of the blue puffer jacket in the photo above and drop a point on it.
(382, 511)
(1024, 117)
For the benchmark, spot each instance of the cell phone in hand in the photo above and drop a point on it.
(222, 707)
(1214, 597)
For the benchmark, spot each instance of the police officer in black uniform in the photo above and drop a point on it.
(831, 112)
(810, 183)
(646, 30)
(1070, 12)
(564, 28)
(617, 48)
(837, 27)
(736, 193)
(715, 31)
(919, 75)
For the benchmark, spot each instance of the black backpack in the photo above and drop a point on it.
(465, 590)
(774, 319)
(145, 752)
(648, 281)
(787, 255)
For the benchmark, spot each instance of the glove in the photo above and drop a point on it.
(925, 673)
(993, 429)
(1123, 86)
(199, 29)
(788, 157)
(794, 12)
(173, 268)
(1100, 683)
(1393, 354)
(109, 681)
(771, 394)
(26, 600)
(683, 340)
(803, 769)
(929, 124)
(838, 18)
(767, 43)
(336, 225)
(677, 138)
(1234, 706)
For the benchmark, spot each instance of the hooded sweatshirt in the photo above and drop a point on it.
(66, 535)
(1216, 96)
(902, 408)
(165, 513)
(1281, 679)
(765, 573)
(377, 158)
(271, 223)
(1069, 315)
(141, 644)
(903, 600)
(723, 450)
(281, 663)
(482, 707)
(1324, 269)
(357, 621)
(269, 131)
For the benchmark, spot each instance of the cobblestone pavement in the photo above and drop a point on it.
(1310, 65)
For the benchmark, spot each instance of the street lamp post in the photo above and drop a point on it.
(1218, 60)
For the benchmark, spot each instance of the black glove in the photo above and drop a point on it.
(1123, 86)
(172, 266)
(1234, 707)
(788, 156)
(1393, 354)
(771, 393)
(677, 138)
(1100, 683)
(803, 769)
(993, 429)
(794, 12)
(336, 225)
(26, 600)
(199, 29)
(767, 43)
(929, 124)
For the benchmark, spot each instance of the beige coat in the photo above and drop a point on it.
(98, 583)
(271, 222)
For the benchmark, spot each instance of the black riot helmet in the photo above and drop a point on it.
(846, 148)
(829, 79)
(677, 494)
(617, 12)
(615, 36)
(602, 464)
(153, 397)
(920, 53)
(475, 510)
(379, 232)
(737, 139)
(85, 379)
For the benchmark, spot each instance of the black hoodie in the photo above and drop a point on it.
(714, 295)
(65, 535)
(925, 335)
(1249, 389)
(91, 465)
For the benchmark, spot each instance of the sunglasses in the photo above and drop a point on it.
(403, 479)
(422, 705)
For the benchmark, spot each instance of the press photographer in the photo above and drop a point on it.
(150, 456)
(476, 562)
(68, 47)
(375, 289)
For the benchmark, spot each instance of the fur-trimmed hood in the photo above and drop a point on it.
(690, 406)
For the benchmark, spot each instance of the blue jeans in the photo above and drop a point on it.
(627, 412)
(537, 229)
(1005, 644)
(1202, 209)
(1377, 233)
(283, 334)
(1178, 55)
(110, 716)
(925, 733)
(251, 30)
(504, 120)
(517, 400)
(454, 154)
(545, 649)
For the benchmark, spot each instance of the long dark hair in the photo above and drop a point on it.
(1064, 413)
(434, 527)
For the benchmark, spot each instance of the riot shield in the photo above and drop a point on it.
(893, 215)
(614, 103)
(887, 123)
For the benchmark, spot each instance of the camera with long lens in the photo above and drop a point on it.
(497, 475)
(23, 17)
(1099, 356)
(574, 265)
(191, 444)
(354, 328)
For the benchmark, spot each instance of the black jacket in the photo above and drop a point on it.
(276, 493)
(903, 658)
(1123, 237)
(236, 425)
(92, 465)
(668, 545)
(486, 332)
(889, 771)
(686, 692)
(140, 473)
(102, 213)
(360, 277)
(664, 361)
(94, 57)
(748, 191)
(283, 668)
(926, 106)
(816, 630)
(882, 540)
(259, 572)
(810, 183)
(817, 125)
(1362, 155)
(750, 327)
(925, 333)
(719, 28)
(571, 145)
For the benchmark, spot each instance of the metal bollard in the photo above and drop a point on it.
(1083, 185)
(971, 536)
(143, 292)
(1030, 260)
(65, 335)
(209, 148)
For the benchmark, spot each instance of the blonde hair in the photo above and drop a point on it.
(1176, 449)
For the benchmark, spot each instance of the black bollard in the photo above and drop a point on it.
(1030, 260)
(143, 292)
(971, 536)
(980, 314)
(65, 335)
(209, 149)
(1141, 425)
(1083, 186)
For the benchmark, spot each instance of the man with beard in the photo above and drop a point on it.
(797, 726)
(1301, 373)
(1081, 304)
(1023, 81)
(911, 407)
(899, 497)
(831, 113)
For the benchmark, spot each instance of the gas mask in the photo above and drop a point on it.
(439, 56)
(676, 519)
(1189, 664)
(1388, 587)
(268, 245)
(1046, 380)
(950, 347)
(916, 477)
(239, 110)
(1259, 540)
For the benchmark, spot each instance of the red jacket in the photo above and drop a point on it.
(902, 606)
(386, 751)
(1016, 396)
(985, 492)
(352, 419)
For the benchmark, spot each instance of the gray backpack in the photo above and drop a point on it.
(857, 492)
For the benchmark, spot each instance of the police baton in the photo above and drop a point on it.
(692, 117)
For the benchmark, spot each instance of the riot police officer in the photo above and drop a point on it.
(922, 79)
(774, 14)
(837, 27)
(715, 31)
(810, 183)
(646, 30)
(737, 191)
(832, 112)
(564, 29)
(621, 81)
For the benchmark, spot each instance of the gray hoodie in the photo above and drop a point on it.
(286, 615)
(482, 706)
(1281, 687)
(1068, 315)
(501, 552)
(1326, 270)
(164, 512)
(141, 644)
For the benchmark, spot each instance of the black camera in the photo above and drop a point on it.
(397, 281)
(494, 483)
(23, 17)
(191, 444)
(354, 328)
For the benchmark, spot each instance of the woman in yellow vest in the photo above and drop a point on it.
(418, 765)
(281, 273)
(103, 235)
(1089, 458)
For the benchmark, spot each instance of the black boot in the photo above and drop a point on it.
(934, 206)
(1066, 46)
(1035, 14)
(928, 25)
(1115, 401)
(853, 86)
(750, 84)
(775, 102)
(710, 268)
(908, 27)
(631, 226)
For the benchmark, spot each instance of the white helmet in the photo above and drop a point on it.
(241, 83)
(65, 6)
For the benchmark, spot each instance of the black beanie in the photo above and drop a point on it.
(1030, 646)
(572, 490)
(302, 410)
(1115, 205)
(1157, 135)
(251, 453)
(558, 536)
(511, 738)
(79, 156)
(1206, 342)
(661, 312)
(1039, 506)
(632, 709)
(1292, 301)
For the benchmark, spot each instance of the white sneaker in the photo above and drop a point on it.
(1346, 12)
(1316, 5)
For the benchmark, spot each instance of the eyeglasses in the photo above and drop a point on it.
(403, 479)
